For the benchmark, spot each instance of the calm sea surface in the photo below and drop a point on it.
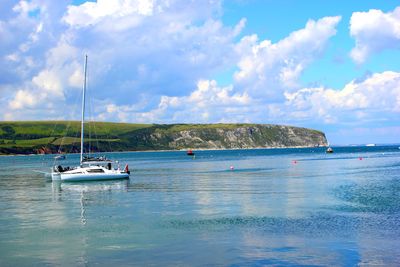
(281, 207)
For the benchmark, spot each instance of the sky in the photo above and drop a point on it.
(327, 65)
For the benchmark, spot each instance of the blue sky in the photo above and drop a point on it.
(328, 65)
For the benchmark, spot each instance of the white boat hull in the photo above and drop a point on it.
(85, 174)
(92, 177)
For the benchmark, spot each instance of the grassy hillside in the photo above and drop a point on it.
(23, 129)
(34, 136)
(26, 137)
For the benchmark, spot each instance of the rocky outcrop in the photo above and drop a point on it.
(242, 136)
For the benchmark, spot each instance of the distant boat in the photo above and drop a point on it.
(190, 153)
(59, 157)
(89, 168)
(370, 145)
(329, 150)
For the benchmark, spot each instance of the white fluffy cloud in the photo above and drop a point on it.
(375, 99)
(370, 99)
(152, 75)
(208, 102)
(48, 87)
(266, 72)
(374, 31)
(91, 13)
(43, 91)
(268, 69)
(23, 98)
(154, 48)
(137, 49)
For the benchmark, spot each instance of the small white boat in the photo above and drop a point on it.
(59, 157)
(89, 169)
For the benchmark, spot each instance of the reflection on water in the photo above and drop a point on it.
(91, 186)
(93, 191)
(276, 207)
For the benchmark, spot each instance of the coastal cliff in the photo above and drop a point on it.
(232, 136)
(49, 137)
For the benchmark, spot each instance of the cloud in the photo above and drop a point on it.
(374, 31)
(144, 56)
(137, 49)
(91, 13)
(152, 47)
(376, 99)
(208, 102)
(191, 52)
(48, 82)
(18, 33)
(45, 90)
(27, 32)
(268, 69)
(369, 100)
(23, 98)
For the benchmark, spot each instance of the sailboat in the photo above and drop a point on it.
(329, 149)
(90, 168)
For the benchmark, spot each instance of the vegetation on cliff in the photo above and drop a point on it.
(50, 136)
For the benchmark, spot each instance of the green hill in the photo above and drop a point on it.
(30, 137)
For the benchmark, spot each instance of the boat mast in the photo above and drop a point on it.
(83, 107)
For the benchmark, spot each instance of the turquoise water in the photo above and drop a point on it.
(283, 207)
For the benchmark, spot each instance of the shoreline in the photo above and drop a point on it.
(173, 150)
(206, 149)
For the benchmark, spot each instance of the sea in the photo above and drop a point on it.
(258, 207)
